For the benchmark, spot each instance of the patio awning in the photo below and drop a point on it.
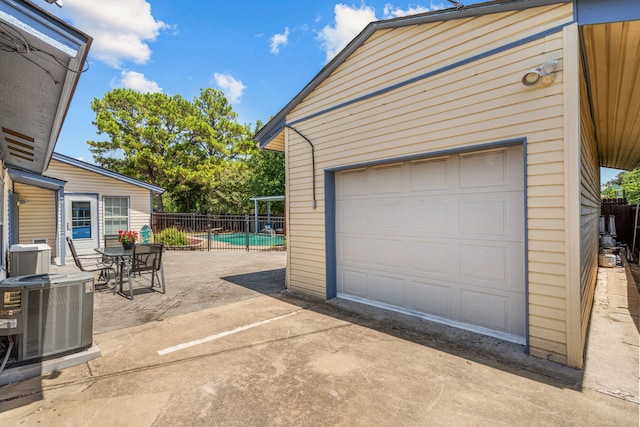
(612, 63)
(267, 199)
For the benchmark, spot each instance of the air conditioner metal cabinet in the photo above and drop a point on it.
(49, 315)
(29, 259)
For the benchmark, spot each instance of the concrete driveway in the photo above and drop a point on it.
(227, 346)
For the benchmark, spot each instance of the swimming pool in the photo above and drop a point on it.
(240, 239)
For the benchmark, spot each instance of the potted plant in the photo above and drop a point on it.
(127, 238)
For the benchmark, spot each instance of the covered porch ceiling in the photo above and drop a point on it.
(611, 55)
(41, 59)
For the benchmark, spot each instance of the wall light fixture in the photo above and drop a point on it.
(544, 73)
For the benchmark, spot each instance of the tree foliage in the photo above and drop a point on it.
(268, 177)
(630, 183)
(197, 151)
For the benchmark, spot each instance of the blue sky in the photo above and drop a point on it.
(259, 53)
(607, 174)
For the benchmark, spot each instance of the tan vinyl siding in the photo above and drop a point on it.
(84, 181)
(590, 210)
(37, 219)
(399, 54)
(477, 103)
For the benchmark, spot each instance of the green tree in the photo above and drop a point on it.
(195, 150)
(630, 183)
(145, 132)
(267, 176)
(212, 174)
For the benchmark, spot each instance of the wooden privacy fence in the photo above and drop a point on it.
(625, 222)
(180, 231)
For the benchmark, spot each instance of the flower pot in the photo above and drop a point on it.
(127, 245)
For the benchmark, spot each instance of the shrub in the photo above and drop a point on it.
(172, 237)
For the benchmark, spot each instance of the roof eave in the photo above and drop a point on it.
(34, 179)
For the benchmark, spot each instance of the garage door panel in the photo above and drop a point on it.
(353, 282)
(484, 262)
(430, 217)
(432, 298)
(492, 267)
(389, 254)
(389, 289)
(351, 216)
(430, 175)
(484, 217)
(352, 183)
(442, 236)
(384, 215)
(498, 217)
(487, 169)
(483, 309)
(430, 258)
(387, 179)
(352, 249)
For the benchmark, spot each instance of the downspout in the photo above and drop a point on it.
(313, 162)
(63, 226)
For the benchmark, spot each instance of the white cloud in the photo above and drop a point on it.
(391, 11)
(279, 40)
(232, 88)
(138, 82)
(349, 21)
(121, 29)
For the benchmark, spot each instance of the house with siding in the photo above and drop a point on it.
(42, 60)
(447, 165)
(79, 200)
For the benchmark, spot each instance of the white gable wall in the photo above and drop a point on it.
(81, 181)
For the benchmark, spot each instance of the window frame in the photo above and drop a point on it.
(106, 217)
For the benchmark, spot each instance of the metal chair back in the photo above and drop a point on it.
(111, 241)
(105, 271)
(76, 259)
(147, 258)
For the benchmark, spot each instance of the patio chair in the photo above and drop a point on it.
(111, 240)
(147, 260)
(92, 264)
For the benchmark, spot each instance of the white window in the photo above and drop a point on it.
(116, 214)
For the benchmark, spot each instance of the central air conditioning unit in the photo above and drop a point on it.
(29, 259)
(45, 315)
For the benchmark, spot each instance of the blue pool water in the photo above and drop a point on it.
(240, 239)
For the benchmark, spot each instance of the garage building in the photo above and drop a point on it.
(446, 165)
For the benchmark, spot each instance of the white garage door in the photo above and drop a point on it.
(442, 237)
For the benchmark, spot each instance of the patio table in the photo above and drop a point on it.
(121, 258)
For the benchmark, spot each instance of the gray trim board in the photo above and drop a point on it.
(62, 233)
(604, 12)
(527, 343)
(330, 233)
